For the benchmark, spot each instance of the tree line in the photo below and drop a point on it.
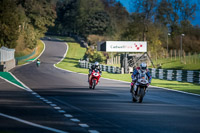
(23, 22)
(159, 22)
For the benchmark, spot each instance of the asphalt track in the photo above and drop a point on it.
(107, 109)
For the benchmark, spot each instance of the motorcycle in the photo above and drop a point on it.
(140, 88)
(38, 63)
(94, 79)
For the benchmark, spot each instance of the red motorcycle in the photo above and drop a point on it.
(94, 79)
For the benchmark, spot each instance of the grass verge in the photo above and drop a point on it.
(9, 77)
(76, 52)
(189, 63)
(39, 49)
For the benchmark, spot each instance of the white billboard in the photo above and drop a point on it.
(126, 46)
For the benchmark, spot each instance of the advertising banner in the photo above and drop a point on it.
(126, 46)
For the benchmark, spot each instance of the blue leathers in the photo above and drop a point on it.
(136, 72)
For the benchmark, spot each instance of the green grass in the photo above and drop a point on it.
(76, 52)
(189, 63)
(40, 47)
(9, 77)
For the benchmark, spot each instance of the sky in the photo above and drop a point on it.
(127, 4)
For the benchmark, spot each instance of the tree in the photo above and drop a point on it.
(119, 18)
(146, 11)
(87, 9)
(97, 23)
(133, 31)
(66, 17)
(172, 12)
(94, 55)
(39, 15)
(9, 23)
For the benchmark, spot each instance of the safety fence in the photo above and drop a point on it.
(7, 59)
(173, 75)
(25, 57)
(176, 75)
(110, 69)
(6, 54)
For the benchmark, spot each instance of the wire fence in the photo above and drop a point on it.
(6, 54)
(177, 55)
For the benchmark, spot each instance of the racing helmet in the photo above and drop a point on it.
(96, 64)
(143, 66)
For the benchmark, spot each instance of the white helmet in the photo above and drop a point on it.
(96, 64)
(143, 66)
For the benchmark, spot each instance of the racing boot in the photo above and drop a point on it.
(132, 88)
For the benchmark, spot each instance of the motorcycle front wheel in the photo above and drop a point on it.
(133, 95)
(141, 93)
(93, 84)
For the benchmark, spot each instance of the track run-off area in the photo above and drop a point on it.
(48, 99)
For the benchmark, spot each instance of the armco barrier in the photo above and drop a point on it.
(176, 75)
(25, 57)
(110, 69)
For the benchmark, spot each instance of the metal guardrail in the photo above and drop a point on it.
(110, 69)
(6, 54)
(176, 75)
(25, 57)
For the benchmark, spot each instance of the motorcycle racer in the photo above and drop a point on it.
(137, 71)
(93, 67)
(38, 62)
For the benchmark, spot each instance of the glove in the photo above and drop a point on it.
(133, 80)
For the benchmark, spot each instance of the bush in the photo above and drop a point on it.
(94, 55)
(93, 39)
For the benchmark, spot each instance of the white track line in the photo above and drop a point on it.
(75, 120)
(32, 124)
(177, 91)
(93, 131)
(26, 87)
(64, 54)
(83, 125)
(68, 115)
(13, 83)
(58, 108)
(53, 105)
(49, 102)
(41, 52)
(61, 111)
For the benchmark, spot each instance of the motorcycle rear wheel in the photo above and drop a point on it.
(38, 64)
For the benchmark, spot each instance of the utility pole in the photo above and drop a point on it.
(168, 34)
(182, 35)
